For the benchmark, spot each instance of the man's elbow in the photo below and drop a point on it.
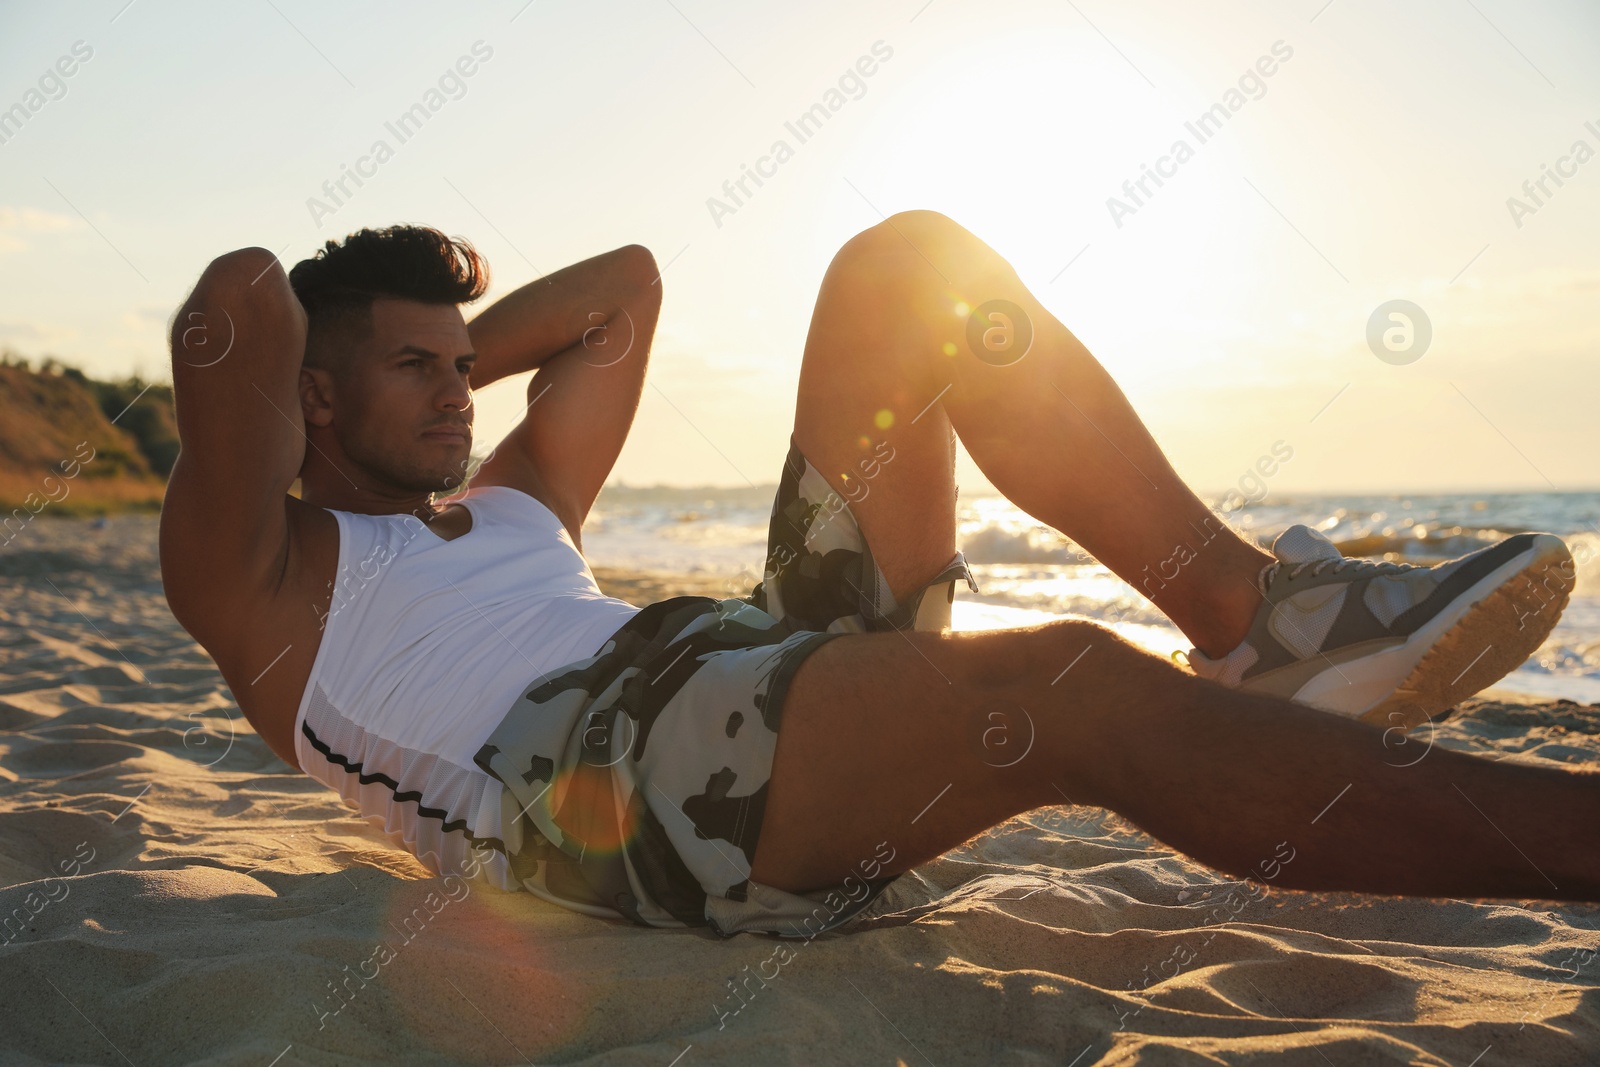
(242, 268)
(641, 266)
(245, 288)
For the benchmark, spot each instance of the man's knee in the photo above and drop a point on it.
(875, 255)
(931, 250)
(896, 278)
(1040, 655)
(879, 291)
(928, 225)
(902, 244)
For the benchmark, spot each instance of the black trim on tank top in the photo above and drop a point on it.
(363, 777)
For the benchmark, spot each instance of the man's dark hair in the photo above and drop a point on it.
(338, 284)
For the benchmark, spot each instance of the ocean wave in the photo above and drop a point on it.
(1425, 545)
(997, 542)
(1003, 540)
(1028, 571)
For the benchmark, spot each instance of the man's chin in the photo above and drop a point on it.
(449, 473)
(436, 480)
(432, 470)
(453, 479)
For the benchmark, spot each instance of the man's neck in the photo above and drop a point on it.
(331, 489)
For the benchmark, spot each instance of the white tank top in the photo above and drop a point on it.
(426, 645)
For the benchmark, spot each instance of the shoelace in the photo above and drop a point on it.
(1317, 566)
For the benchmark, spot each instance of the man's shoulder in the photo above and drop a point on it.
(524, 479)
(221, 592)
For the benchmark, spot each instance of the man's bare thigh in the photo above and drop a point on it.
(924, 740)
(867, 389)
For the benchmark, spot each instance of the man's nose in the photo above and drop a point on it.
(456, 394)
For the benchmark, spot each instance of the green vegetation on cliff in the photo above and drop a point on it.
(76, 444)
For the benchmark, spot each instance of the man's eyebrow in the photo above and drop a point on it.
(426, 353)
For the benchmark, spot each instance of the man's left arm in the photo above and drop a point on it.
(586, 331)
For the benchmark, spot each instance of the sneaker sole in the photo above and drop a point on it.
(1506, 618)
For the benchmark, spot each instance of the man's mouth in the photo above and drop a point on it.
(447, 433)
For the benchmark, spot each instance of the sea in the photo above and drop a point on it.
(1028, 572)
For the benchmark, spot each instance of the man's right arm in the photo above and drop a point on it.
(237, 347)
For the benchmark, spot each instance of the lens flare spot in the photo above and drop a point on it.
(586, 791)
(486, 923)
(883, 419)
(962, 309)
(949, 348)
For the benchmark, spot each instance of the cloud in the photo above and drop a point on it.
(21, 332)
(29, 220)
(14, 221)
(34, 338)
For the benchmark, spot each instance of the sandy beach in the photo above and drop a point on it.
(174, 893)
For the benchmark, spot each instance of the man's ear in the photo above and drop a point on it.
(316, 396)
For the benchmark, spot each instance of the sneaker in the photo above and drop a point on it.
(1391, 643)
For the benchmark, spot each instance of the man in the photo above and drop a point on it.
(771, 762)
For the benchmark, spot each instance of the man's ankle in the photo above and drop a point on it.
(1230, 611)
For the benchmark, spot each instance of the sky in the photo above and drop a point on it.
(1377, 162)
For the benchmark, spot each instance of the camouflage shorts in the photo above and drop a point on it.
(636, 779)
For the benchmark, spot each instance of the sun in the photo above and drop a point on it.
(1025, 138)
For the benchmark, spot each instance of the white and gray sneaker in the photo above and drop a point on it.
(1392, 643)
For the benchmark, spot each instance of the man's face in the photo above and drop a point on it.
(402, 408)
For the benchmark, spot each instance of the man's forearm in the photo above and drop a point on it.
(527, 326)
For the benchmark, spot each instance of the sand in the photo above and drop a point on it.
(176, 894)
